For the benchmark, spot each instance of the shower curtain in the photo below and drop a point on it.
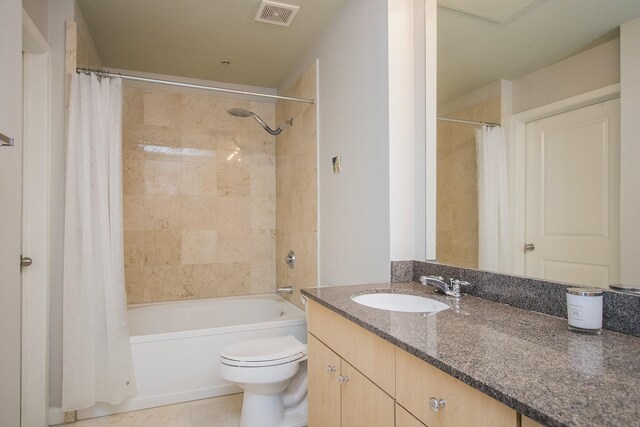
(97, 364)
(494, 236)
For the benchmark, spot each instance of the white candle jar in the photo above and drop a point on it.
(584, 310)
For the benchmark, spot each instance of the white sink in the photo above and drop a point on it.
(400, 302)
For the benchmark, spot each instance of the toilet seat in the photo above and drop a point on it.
(263, 352)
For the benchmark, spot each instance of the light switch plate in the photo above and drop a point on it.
(337, 164)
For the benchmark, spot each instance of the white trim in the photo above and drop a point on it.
(517, 159)
(35, 224)
(431, 87)
(55, 415)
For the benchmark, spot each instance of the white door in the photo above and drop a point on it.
(573, 196)
(10, 202)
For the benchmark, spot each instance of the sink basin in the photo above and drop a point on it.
(400, 302)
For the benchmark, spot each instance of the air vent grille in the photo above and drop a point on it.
(276, 13)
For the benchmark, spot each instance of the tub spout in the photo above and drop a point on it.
(284, 290)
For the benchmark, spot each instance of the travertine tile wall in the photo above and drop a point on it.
(297, 188)
(457, 195)
(199, 197)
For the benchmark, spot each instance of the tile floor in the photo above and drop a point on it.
(221, 411)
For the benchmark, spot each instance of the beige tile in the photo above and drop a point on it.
(199, 247)
(134, 248)
(263, 277)
(233, 180)
(233, 213)
(164, 416)
(198, 112)
(219, 409)
(198, 145)
(263, 183)
(120, 420)
(263, 213)
(162, 177)
(199, 212)
(234, 245)
(199, 179)
(161, 108)
(161, 248)
(233, 278)
(133, 172)
(132, 106)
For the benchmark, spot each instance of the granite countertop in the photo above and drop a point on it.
(529, 361)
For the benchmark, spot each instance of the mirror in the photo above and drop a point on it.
(540, 195)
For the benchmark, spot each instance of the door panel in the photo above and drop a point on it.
(572, 195)
(324, 390)
(364, 404)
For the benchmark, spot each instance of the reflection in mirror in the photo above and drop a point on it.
(542, 193)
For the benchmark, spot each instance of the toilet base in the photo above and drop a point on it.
(259, 410)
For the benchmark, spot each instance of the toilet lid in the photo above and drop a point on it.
(264, 352)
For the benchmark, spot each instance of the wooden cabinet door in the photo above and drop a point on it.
(463, 406)
(405, 419)
(528, 422)
(364, 404)
(324, 390)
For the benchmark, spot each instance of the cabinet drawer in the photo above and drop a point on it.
(373, 356)
(405, 419)
(417, 382)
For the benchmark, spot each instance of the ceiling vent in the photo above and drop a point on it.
(276, 13)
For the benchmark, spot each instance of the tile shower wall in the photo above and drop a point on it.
(199, 197)
(297, 183)
(457, 201)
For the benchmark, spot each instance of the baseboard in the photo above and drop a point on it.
(55, 416)
(135, 404)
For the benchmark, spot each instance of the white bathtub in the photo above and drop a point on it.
(176, 345)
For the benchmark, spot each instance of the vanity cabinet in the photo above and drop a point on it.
(358, 379)
(405, 419)
(439, 400)
(341, 395)
(528, 422)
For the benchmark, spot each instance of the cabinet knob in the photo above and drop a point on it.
(436, 404)
(330, 369)
(343, 379)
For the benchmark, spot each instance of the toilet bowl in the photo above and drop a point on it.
(273, 373)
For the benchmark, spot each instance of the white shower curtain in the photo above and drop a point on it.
(494, 248)
(97, 364)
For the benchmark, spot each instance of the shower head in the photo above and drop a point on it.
(241, 112)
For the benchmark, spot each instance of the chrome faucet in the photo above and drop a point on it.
(284, 290)
(452, 289)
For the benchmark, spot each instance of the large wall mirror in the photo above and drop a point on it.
(528, 139)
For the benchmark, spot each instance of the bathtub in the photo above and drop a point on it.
(176, 345)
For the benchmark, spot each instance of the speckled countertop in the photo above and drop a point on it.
(529, 361)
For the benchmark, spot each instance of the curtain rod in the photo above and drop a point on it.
(469, 122)
(101, 73)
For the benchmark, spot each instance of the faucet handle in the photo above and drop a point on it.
(456, 284)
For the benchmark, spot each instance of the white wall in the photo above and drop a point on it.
(38, 11)
(589, 70)
(630, 152)
(353, 106)
(402, 130)
(11, 201)
(63, 11)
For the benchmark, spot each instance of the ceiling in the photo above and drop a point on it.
(190, 38)
(474, 50)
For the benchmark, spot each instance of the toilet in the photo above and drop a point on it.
(273, 373)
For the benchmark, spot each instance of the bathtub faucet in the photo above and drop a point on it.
(284, 290)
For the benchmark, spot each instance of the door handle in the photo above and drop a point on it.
(529, 247)
(25, 261)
